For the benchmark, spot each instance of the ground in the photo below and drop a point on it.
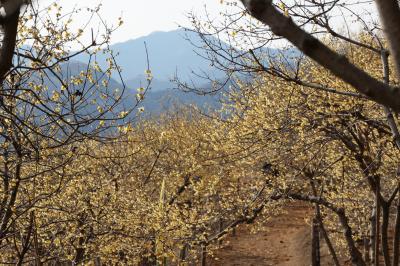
(283, 241)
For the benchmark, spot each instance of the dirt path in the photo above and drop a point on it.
(284, 241)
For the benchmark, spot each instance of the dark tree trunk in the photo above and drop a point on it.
(377, 222)
(356, 256)
(8, 29)
(203, 255)
(366, 244)
(373, 235)
(26, 242)
(183, 253)
(220, 229)
(97, 261)
(385, 228)
(327, 240)
(396, 241)
(315, 244)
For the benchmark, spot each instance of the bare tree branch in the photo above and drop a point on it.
(389, 13)
(284, 26)
(9, 8)
(8, 29)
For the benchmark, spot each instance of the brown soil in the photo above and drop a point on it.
(283, 241)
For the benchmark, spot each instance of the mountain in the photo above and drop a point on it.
(156, 84)
(157, 102)
(159, 98)
(169, 53)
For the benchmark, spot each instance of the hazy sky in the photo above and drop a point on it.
(144, 16)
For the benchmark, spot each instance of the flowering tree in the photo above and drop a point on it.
(49, 105)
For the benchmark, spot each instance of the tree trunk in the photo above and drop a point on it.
(389, 14)
(183, 253)
(366, 249)
(203, 255)
(385, 228)
(325, 233)
(328, 243)
(97, 261)
(356, 256)
(9, 31)
(377, 222)
(220, 228)
(372, 235)
(26, 242)
(396, 241)
(315, 244)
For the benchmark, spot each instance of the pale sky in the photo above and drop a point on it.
(142, 17)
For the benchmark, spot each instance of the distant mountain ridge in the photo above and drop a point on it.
(169, 53)
(156, 84)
